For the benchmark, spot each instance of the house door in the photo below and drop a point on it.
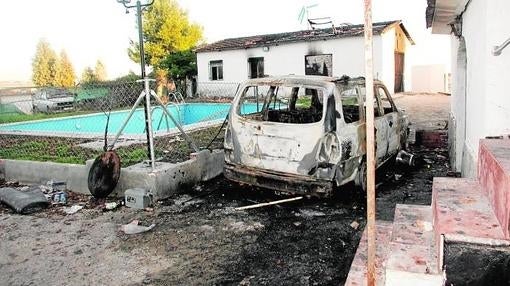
(399, 72)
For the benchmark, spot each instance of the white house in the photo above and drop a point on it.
(480, 103)
(335, 51)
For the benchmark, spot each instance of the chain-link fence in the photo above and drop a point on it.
(69, 125)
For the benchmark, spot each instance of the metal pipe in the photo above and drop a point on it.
(496, 50)
(140, 98)
(146, 107)
(370, 138)
(186, 137)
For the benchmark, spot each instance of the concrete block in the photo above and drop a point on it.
(460, 207)
(494, 177)
(412, 224)
(432, 138)
(2, 169)
(165, 180)
(33, 172)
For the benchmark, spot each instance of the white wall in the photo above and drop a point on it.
(498, 69)
(429, 78)
(348, 58)
(485, 24)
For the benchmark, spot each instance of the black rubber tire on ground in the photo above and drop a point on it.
(361, 178)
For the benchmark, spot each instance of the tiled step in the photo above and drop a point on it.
(358, 272)
(459, 207)
(494, 177)
(412, 255)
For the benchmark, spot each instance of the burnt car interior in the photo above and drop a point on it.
(284, 104)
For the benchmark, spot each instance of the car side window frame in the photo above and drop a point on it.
(379, 87)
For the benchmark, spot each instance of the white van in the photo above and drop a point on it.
(306, 134)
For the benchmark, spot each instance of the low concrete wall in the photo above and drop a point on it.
(165, 180)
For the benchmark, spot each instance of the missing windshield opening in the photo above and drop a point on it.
(282, 104)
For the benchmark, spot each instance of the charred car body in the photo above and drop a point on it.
(306, 134)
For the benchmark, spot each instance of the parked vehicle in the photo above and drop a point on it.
(306, 134)
(52, 100)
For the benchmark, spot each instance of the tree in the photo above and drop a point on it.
(100, 71)
(65, 76)
(166, 29)
(88, 76)
(44, 65)
(180, 67)
(130, 77)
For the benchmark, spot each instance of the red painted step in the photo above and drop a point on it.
(459, 207)
(494, 177)
(412, 255)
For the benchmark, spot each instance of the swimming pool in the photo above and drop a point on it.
(186, 114)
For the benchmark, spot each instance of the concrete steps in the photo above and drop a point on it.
(412, 255)
(460, 208)
(405, 250)
(469, 220)
(410, 249)
(358, 272)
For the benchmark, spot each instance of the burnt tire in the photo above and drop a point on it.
(361, 178)
(104, 174)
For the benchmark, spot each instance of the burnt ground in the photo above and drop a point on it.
(199, 238)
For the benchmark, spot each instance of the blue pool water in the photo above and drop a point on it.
(185, 114)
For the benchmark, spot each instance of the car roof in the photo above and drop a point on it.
(305, 79)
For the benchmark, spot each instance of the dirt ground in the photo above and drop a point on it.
(199, 238)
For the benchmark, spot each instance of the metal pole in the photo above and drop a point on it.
(369, 87)
(148, 122)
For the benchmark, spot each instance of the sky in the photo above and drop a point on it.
(100, 29)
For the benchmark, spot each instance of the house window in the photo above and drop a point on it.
(216, 70)
(319, 65)
(256, 67)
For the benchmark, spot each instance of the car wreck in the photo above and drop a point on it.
(306, 134)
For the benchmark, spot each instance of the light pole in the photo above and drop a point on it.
(147, 102)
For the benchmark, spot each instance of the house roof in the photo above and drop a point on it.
(343, 31)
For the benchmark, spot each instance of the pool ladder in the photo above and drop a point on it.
(163, 115)
(177, 96)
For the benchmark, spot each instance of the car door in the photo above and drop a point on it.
(381, 132)
(389, 120)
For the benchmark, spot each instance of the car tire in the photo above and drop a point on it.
(361, 178)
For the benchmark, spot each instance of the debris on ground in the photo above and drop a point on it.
(354, 225)
(73, 209)
(138, 198)
(111, 206)
(310, 213)
(134, 227)
(268, 204)
(23, 202)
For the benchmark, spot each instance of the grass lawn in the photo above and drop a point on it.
(16, 117)
(66, 150)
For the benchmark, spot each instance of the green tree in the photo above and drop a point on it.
(180, 66)
(88, 76)
(100, 71)
(130, 77)
(166, 29)
(44, 65)
(65, 76)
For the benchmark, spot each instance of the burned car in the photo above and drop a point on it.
(306, 134)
